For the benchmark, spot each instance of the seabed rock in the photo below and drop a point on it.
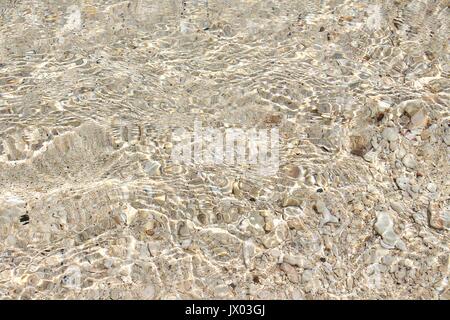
(385, 228)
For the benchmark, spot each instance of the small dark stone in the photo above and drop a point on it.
(321, 29)
(380, 116)
(25, 219)
(319, 190)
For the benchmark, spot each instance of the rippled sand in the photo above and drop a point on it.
(92, 206)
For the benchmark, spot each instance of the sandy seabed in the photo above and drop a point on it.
(92, 205)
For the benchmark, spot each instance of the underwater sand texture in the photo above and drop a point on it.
(93, 207)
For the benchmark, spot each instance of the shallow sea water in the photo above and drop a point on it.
(93, 207)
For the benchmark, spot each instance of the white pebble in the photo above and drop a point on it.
(402, 182)
(409, 161)
(432, 187)
(390, 134)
